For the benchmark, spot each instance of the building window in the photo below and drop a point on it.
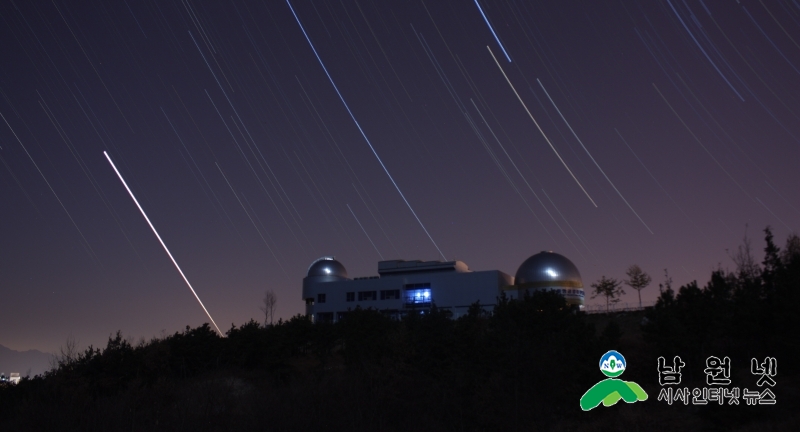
(367, 295)
(320, 298)
(325, 317)
(418, 294)
(390, 294)
(351, 296)
(310, 301)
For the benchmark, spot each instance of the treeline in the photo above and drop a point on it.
(523, 367)
(750, 312)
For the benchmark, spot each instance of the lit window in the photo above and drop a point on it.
(418, 296)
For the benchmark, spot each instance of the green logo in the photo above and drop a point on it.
(611, 390)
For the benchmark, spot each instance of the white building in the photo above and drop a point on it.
(405, 286)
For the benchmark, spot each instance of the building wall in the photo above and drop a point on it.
(449, 290)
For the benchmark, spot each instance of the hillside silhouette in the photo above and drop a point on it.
(523, 367)
(30, 362)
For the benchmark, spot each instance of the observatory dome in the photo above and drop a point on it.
(327, 267)
(548, 269)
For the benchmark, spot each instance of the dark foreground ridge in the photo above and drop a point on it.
(524, 367)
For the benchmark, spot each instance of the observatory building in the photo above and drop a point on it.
(416, 286)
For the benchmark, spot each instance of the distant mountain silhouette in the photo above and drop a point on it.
(23, 361)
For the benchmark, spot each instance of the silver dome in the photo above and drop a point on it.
(548, 269)
(327, 267)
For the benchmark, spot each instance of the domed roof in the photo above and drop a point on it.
(548, 269)
(328, 267)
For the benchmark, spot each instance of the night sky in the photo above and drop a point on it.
(680, 121)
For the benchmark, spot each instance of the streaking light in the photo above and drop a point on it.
(362, 229)
(539, 127)
(88, 246)
(492, 29)
(550, 272)
(162, 242)
(592, 158)
(352, 116)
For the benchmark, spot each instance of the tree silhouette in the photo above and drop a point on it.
(638, 280)
(609, 288)
(270, 300)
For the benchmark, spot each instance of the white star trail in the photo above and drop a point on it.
(591, 157)
(539, 127)
(162, 242)
(86, 242)
(365, 231)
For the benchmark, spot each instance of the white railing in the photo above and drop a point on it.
(616, 307)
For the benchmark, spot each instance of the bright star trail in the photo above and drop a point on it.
(161, 241)
(492, 29)
(241, 126)
(362, 132)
